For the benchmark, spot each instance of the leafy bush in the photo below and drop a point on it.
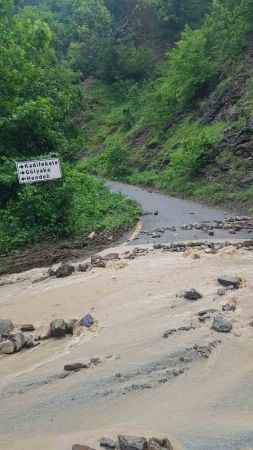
(194, 150)
(72, 207)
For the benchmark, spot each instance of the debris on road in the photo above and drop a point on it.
(221, 324)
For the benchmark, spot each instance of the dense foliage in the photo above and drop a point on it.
(121, 83)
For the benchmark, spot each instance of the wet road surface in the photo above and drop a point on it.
(173, 212)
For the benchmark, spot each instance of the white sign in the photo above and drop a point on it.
(36, 171)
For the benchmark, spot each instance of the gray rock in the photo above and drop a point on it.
(98, 261)
(191, 294)
(132, 442)
(230, 306)
(30, 341)
(13, 344)
(230, 280)
(107, 443)
(43, 333)
(85, 267)
(70, 325)
(64, 270)
(75, 367)
(164, 443)
(7, 347)
(58, 328)
(6, 326)
(19, 340)
(221, 325)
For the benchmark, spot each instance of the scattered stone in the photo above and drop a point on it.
(206, 314)
(132, 442)
(157, 246)
(27, 328)
(172, 331)
(7, 347)
(13, 344)
(95, 361)
(85, 267)
(87, 321)
(70, 325)
(92, 236)
(18, 339)
(191, 294)
(221, 325)
(230, 306)
(73, 367)
(230, 280)
(205, 350)
(64, 270)
(43, 333)
(30, 341)
(58, 328)
(107, 443)
(222, 292)
(164, 443)
(98, 261)
(6, 326)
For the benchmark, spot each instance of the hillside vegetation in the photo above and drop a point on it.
(154, 92)
(188, 130)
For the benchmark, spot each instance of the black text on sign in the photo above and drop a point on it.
(36, 171)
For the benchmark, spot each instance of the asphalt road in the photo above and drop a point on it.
(173, 212)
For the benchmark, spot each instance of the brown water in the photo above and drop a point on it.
(208, 407)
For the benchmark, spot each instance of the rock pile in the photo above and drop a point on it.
(124, 442)
(12, 339)
(232, 224)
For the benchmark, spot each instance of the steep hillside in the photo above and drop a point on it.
(189, 130)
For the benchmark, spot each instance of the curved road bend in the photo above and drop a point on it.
(173, 212)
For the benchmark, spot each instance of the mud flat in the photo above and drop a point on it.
(163, 369)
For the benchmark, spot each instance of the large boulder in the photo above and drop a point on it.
(221, 324)
(14, 343)
(18, 339)
(58, 328)
(230, 281)
(7, 347)
(6, 326)
(132, 442)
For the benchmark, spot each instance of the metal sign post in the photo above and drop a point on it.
(38, 170)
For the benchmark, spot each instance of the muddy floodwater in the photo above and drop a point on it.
(163, 370)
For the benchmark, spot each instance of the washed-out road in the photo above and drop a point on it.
(194, 386)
